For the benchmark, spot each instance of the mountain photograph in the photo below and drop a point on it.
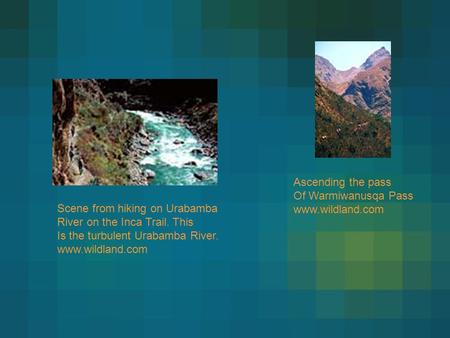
(353, 99)
(134, 132)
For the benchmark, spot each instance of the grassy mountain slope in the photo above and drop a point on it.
(103, 135)
(344, 130)
(94, 141)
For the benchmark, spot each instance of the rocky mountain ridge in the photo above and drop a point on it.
(367, 86)
(336, 80)
(370, 89)
(376, 57)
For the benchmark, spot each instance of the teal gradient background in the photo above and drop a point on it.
(270, 274)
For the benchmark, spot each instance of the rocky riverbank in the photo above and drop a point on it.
(202, 120)
(139, 148)
(193, 105)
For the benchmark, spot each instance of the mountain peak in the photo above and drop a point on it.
(324, 61)
(381, 51)
(376, 57)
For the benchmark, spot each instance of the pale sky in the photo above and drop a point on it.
(346, 54)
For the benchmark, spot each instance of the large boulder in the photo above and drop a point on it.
(196, 152)
(201, 176)
(150, 173)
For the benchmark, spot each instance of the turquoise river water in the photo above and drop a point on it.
(174, 153)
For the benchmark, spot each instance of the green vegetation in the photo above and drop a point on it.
(344, 130)
(103, 137)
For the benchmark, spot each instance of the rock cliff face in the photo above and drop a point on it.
(94, 140)
(63, 112)
(370, 89)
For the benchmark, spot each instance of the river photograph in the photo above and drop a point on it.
(134, 132)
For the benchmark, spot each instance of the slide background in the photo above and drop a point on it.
(270, 274)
